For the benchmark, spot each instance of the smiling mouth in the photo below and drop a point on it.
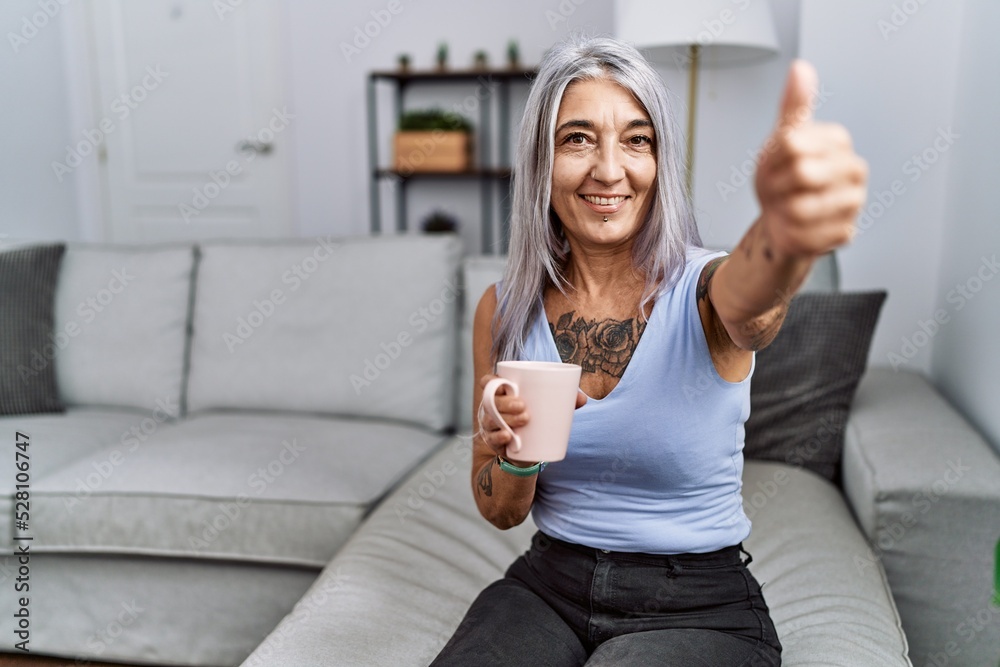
(603, 201)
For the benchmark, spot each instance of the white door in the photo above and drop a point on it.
(195, 129)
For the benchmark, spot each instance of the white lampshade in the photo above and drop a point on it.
(728, 31)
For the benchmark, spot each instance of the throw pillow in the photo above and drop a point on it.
(804, 382)
(28, 277)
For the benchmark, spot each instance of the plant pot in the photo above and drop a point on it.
(432, 150)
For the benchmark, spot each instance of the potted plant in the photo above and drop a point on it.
(513, 54)
(480, 60)
(404, 62)
(442, 56)
(439, 222)
(433, 140)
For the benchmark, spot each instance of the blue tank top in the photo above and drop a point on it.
(656, 466)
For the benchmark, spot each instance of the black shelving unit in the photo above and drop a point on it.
(490, 174)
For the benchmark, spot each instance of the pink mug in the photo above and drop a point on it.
(549, 391)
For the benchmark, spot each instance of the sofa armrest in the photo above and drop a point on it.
(925, 488)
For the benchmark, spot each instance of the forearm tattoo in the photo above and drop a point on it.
(749, 239)
(484, 482)
(763, 330)
(759, 331)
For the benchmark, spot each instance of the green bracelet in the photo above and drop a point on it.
(506, 466)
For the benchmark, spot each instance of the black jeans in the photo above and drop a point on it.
(566, 604)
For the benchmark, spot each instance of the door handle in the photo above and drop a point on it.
(255, 146)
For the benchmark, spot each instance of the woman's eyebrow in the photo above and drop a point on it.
(586, 124)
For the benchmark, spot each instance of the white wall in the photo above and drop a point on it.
(34, 126)
(328, 93)
(895, 91)
(737, 108)
(736, 111)
(966, 359)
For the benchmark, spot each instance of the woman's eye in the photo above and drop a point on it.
(577, 138)
(640, 140)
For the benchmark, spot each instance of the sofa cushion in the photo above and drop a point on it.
(926, 489)
(804, 382)
(422, 557)
(28, 277)
(129, 308)
(361, 327)
(803, 542)
(255, 487)
(478, 273)
(149, 611)
(56, 441)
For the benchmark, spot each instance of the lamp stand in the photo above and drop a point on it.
(694, 54)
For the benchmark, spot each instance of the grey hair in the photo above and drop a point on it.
(537, 245)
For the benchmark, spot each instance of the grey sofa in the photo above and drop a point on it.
(258, 464)
(232, 415)
(845, 587)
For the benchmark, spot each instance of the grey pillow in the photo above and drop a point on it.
(28, 277)
(804, 382)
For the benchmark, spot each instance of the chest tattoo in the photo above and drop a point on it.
(597, 345)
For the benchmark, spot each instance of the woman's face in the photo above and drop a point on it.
(604, 164)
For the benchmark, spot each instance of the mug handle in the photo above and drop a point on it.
(489, 400)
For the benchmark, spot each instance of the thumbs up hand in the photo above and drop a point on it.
(810, 183)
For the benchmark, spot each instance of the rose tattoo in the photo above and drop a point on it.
(606, 345)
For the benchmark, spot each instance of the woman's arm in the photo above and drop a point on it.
(503, 499)
(811, 186)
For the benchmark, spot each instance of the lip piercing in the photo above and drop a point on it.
(605, 218)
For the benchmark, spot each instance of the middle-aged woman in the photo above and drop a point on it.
(638, 559)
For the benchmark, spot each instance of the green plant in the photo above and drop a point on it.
(480, 58)
(442, 54)
(404, 61)
(434, 119)
(996, 577)
(513, 52)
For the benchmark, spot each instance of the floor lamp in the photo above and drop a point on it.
(695, 33)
